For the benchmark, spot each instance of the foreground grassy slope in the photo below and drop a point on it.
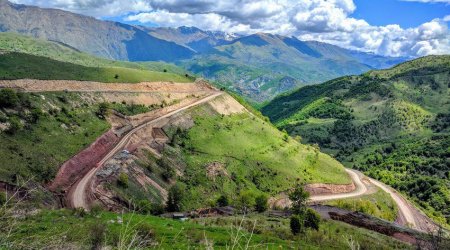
(68, 229)
(393, 124)
(40, 59)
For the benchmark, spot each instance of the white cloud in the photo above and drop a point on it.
(323, 20)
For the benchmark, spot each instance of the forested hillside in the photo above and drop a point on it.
(392, 124)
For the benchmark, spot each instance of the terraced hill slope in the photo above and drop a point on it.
(392, 124)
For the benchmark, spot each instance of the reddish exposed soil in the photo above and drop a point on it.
(75, 168)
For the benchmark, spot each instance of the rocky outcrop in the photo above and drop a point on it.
(320, 188)
(75, 168)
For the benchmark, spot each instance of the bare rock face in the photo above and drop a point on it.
(112, 40)
(320, 188)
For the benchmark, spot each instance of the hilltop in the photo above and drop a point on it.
(391, 124)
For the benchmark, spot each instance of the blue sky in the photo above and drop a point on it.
(409, 28)
(405, 13)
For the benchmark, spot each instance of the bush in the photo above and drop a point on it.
(144, 206)
(2, 198)
(223, 201)
(97, 233)
(295, 224)
(312, 219)
(261, 203)
(175, 199)
(14, 125)
(103, 110)
(246, 200)
(8, 98)
(122, 180)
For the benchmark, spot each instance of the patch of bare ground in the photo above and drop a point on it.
(215, 169)
(31, 85)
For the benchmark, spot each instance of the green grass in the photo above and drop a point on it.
(64, 228)
(19, 65)
(57, 51)
(378, 204)
(255, 155)
(67, 125)
(331, 234)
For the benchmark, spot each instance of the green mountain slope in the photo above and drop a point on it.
(392, 124)
(39, 59)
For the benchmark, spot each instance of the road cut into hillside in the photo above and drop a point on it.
(408, 214)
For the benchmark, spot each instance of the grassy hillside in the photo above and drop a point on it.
(393, 124)
(50, 59)
(19, 65)
(68, 229)
(254, 156)
(41, 131)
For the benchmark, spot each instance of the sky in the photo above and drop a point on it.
(409, 28)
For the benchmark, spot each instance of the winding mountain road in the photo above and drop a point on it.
(408, 214)
(78, 195)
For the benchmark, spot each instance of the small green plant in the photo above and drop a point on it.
(103, 110)
(122, 180)
(97, 232)
(295, 224)
(312, 219)
(14, 125)
(8, 98)
(2, 198)
(261, 204)
(223, 201)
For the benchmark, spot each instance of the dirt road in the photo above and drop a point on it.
(360, 189)
(408, 214)
(78, 193)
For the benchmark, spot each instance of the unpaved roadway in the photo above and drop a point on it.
(79, 192)
(408, 214)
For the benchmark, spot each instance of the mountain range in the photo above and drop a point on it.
(257, 66)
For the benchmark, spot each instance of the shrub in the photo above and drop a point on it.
(96, 209)
(103, 110)
(2, 198)
(14, 125)
(122, 180)
(246, 200)
(261, 203)
(175, 199)
(79, 212)
(223, 201)
(97, 233)
(144, 206)
(312, 219)
(295, 224)
(8, 98)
